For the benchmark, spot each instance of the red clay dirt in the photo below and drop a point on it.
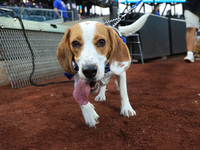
(165, 95)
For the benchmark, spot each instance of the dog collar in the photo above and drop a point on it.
(123, 38)
(70, 76)
(118, 33)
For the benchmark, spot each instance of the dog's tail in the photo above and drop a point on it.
(134, 27)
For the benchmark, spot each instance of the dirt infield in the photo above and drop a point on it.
(165, 95)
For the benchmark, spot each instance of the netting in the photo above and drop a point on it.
(17, 59)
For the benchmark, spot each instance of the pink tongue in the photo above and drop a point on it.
(81, 92)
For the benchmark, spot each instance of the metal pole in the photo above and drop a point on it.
(113, 10)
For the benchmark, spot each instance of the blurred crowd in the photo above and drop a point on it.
(78, 11)
(28, 4)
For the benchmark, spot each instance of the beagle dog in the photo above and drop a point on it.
(90, 46)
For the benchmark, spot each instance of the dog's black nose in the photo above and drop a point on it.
(89, 71)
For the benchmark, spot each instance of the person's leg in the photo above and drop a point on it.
(190, 40)
(192, 24)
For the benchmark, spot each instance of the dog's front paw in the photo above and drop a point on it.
(127, 111)
(100, 97)
(89, 114)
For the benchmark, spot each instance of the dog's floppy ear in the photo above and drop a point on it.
(64, 54)
(119, 57)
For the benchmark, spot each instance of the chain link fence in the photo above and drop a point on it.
(17, 60)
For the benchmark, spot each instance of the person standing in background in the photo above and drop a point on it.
(60, 5)
(5, 3)
(156, 10)
(192, 16)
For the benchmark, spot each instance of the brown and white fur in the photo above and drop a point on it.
(93, 45)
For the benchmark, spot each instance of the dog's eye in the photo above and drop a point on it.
(76, 44)
(101, 43)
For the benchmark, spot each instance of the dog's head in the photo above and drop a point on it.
(91, 45)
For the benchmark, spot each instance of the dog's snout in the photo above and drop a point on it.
(89, 71)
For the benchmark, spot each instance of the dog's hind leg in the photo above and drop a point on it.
(102, 94)
(126, 108)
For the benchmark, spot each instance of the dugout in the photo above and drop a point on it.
(160, 36)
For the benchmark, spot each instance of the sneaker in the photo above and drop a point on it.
(189, 57)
